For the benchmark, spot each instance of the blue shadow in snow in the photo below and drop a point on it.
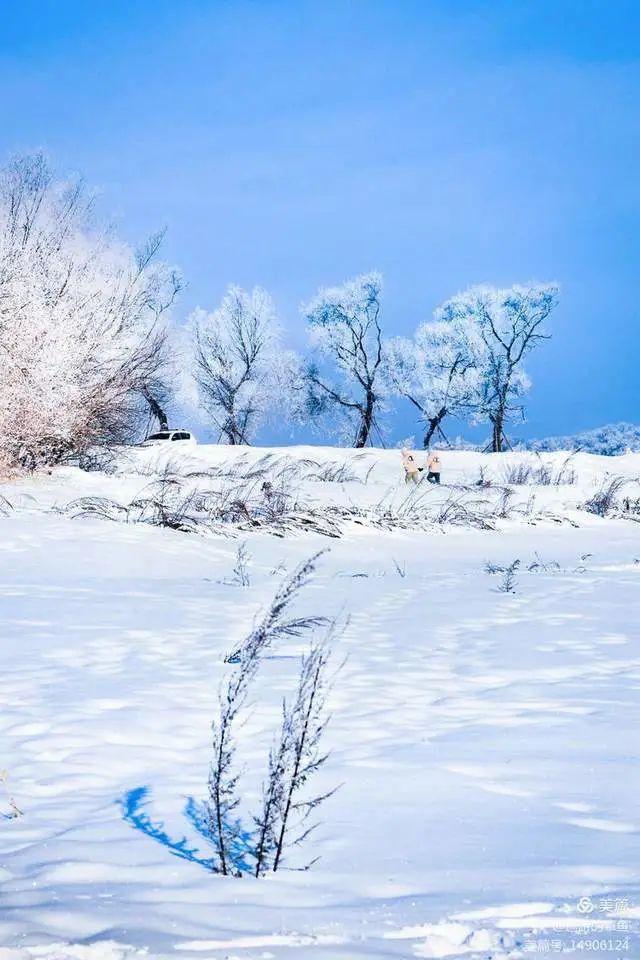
(241, 846)
(133, 805)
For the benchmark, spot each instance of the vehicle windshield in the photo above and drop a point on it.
(159, 436)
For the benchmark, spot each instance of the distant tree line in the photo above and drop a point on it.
(611, 440)
(466, 363)
(90, 354)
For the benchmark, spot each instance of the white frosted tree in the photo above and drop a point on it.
(242, 373)
(438, 371)
(346, 378)
(510, 323)
(81, 334)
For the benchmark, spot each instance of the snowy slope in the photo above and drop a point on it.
(486, 742)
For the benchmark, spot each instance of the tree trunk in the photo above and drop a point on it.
(434, 426)
(366, 421)
(498, 433)
(156, 409)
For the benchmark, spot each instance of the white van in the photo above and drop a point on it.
(169, 436)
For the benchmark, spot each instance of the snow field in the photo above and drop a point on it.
(485, 742)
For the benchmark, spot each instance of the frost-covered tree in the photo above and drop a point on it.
(438, 371)
(80, 319)
(242, 372)
(157, 390)
(345, 329)
(510, 324)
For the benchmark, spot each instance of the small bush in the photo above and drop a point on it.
(294, 758)
(632, 507)
(604, 501)
(508, 574)
(241, 567)
(335, 473)
(400, 568)
(98, 460)
(542, 566)
(483, 480)
(518, 474)
(566, 474)
(508, 582)
(542, 475)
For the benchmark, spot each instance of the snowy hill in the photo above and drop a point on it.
(611, 440)
(483, 730)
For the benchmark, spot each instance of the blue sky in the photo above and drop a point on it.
(293, 144)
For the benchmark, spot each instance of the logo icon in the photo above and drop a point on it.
(585, 905)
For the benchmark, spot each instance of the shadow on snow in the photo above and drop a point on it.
(133, 806)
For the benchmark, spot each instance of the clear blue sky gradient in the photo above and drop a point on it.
(293, 144)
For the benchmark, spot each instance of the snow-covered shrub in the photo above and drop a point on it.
(296, 756)
(631, 507)
(335, 473)
(162, 503)
(268, 496)
(293, 760)
(565, 475)
(273, 496)
(503, 506)
(542, 566)
(483, 480)
(241, 566)
(80, 333)
(518, 473)
(540, 475)
(461, 509)
(508, 582)
(605, 501)
(507, 572)
(98, 460)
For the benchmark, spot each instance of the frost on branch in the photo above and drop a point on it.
(438, 371)
(344, 380)
(81, 334)
(224, 825)
(241, 371)
(509, 323)
(293, 760)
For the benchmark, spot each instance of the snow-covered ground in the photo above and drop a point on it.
(486, 743)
